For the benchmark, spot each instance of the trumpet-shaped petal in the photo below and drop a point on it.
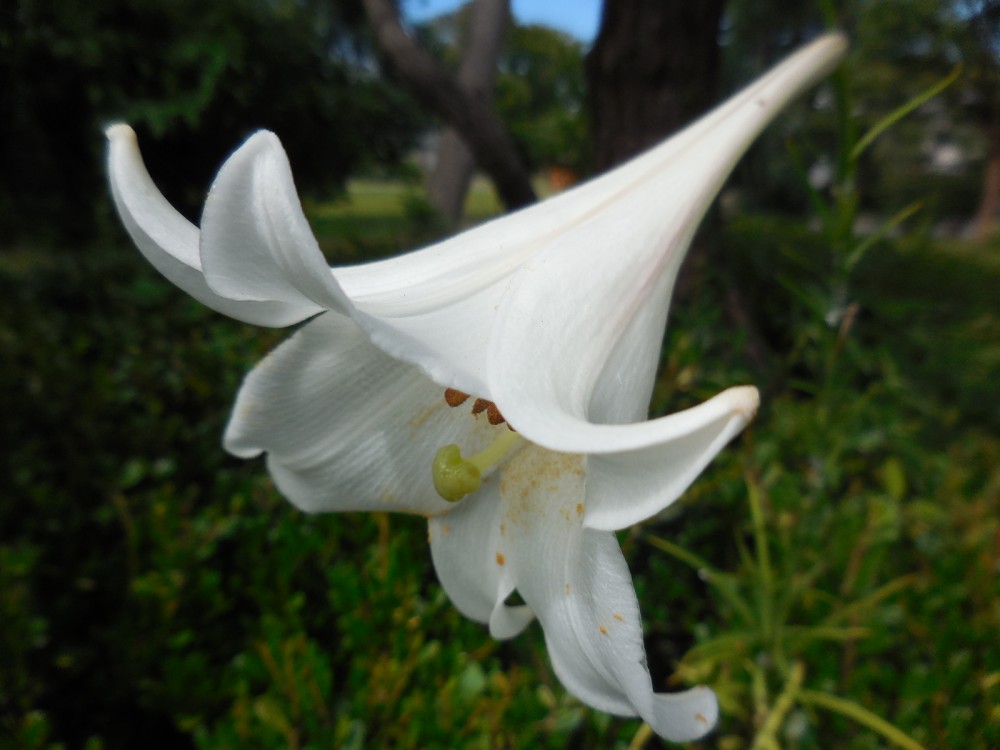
(553, 317)
(595, 312)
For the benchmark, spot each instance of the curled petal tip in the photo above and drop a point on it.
(747, 401)
(118, 131)
(262, 140)
(837, 40)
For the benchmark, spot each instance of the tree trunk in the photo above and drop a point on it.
(652, 69)
(472, 117)
(449, 181)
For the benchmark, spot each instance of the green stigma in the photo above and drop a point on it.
(455, 477)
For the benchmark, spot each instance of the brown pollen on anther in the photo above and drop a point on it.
(493, 414)
(455, 398)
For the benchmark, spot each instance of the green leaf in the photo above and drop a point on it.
(867, 603)
(859, 714)
(900, 112)
(855, 256)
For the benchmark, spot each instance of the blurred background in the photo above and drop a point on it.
(833, 575)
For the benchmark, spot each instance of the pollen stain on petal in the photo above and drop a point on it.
(604, 630)
(500, 558)
(248, 409)
(567, 589)
(702, 719)
(420, 418)
(618, 617)
(579, 509)
(480, 406)
(539, 487)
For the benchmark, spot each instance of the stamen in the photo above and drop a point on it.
(495, 451)
(454, 397)
(455, 477)
(493, 415)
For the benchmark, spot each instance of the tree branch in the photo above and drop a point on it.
(472, 117)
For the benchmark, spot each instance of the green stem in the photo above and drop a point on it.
(767, 736)
(861, 715)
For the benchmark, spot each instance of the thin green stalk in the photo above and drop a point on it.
(801, 635)
(767, 736)
(900, 112)
(858, 252)
(758, 689)
(867, 603)
(765, 577)
(720, 648)
(641, 737)
(861, 715)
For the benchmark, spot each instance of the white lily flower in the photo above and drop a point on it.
(552, 317)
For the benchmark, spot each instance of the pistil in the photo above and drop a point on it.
(455, 476)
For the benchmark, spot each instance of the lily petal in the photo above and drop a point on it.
(345, 426)
(580, 282)
(634, 485)
(576, 339)
(577, 583)
(255, 241)
(170, 242)
(470, 556)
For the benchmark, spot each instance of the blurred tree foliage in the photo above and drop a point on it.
(540, 92)
(899, 48)
(539, 88)
(915, 41)
(194, 78)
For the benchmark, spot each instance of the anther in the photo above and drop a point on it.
(454, 397)
(493, 415)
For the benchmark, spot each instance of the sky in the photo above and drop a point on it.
(579, 18)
